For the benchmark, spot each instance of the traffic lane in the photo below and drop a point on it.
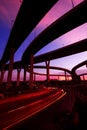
(21, 100)
(11, 99)
(15, 116)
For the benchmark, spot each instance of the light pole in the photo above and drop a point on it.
(72, 3)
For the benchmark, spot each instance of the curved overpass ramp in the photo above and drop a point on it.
(62, 52)
(78, 66)
(28, 17)
(57, 28)
(58, 53)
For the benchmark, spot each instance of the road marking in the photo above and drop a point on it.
(16, 109)
(19, 108)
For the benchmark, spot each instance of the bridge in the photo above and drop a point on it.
(28, 17)
(21, 29)
(52, 32)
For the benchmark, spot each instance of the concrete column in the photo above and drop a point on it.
(65, 76)
(31, 71)
(83, 78)
(10, 67)
(24, 74)
(58, 77)
(34, 77)
(18, 77)
(2, 74)
(47, 68)
(76, 78)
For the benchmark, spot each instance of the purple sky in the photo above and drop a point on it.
(8, 12)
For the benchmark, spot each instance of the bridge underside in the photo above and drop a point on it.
(28, 17)
(56, 29)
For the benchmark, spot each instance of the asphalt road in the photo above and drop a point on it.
(18, 109)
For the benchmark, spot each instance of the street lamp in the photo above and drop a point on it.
(72, 3)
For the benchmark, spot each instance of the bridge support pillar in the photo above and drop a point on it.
(24, 74)
(65, 76)
(34, 77)
(58, 77)
(2, 74)
(83, 78)
(10, 67)
(47, 68)
(18, 76)
(76, 78)
(31, 70)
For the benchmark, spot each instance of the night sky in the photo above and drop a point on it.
(8, 13)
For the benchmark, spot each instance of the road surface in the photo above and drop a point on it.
(19, 109)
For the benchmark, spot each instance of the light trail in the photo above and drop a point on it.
(24, 96)
(25, 106)
(33, 108)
